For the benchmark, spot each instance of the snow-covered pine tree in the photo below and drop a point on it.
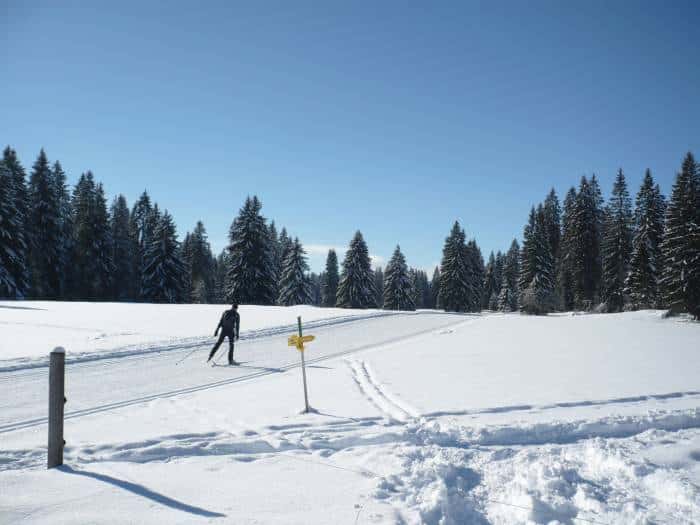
(44, 224)
(454, 272)
(65, 227)
(219, 289)
(329, 283)
(356, 288)
(398, 288)
(567, 254)
(251, 274)
(528, 255)
(122, 249)
(138, 224)
(425, 295)
(509, 292)
(12, 247)
(476, 275)
(163, 268)
(103, 262)
(315, 280)
(539, 297)
(276, 254)
(435, 288)
(186, 258)
(617, 245)
(490, 285)
(379, 287)
(284, 245)
(642, 284)
(92, 248)
(295, 287)
(200, 265)
(552, 217)
(681, 244)
(586, 261)
(21, 197)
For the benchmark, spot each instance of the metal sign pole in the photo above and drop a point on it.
(303, 369)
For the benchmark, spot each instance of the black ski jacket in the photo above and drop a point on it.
(230, 323)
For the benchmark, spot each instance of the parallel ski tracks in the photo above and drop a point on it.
(265, 371)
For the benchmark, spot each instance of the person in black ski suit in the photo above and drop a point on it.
(229, 324)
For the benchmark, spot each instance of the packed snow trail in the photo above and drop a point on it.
(179, 346)
(106, 384)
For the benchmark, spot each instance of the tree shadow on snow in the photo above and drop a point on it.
(140, 490)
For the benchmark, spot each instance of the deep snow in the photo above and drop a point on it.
(422, 418)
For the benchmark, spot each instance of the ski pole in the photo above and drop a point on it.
(188, 354)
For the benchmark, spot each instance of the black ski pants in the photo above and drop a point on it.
(218, 344)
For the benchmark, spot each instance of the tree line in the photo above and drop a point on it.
(606, 257)
(61, 244)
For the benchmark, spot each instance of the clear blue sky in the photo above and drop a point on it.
(394, 118)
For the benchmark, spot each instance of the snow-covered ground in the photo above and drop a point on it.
(95, 330)
(421, 418)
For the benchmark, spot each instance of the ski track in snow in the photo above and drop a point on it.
(180, 345)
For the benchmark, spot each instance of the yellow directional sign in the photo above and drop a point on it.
(295, 340)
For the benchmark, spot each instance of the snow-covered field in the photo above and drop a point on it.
(421, 418)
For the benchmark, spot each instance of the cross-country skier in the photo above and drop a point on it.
(229, 324)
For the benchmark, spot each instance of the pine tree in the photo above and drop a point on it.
(138, 226)
(219, 288)
(379, 287)
(295, 287)
(476, 272)
(13, 283)
(122, 253)
(454, 272)
(251, 275)
(567, 254)
(276, 255)
(642, 284)
(491, 288)
(200, 266)
(552, 218)
(398, 288)
(285, 244)
(316, 280)
(44, 225)
(509, 293)
(21, 196)
(356, 288)
(681, 244)
(329, 283)
(103, 262)
(163, 268)
(586, 260)
(617, 245)
(539, 297)
(435, 288)
(92, 248)
(65, 245)
(424, 294)
(528, 256)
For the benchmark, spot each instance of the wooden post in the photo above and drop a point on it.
(57, 368)
(303, 371)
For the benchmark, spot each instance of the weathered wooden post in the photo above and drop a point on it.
(57, 399)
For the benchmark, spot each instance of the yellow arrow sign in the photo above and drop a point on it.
(295, 340)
